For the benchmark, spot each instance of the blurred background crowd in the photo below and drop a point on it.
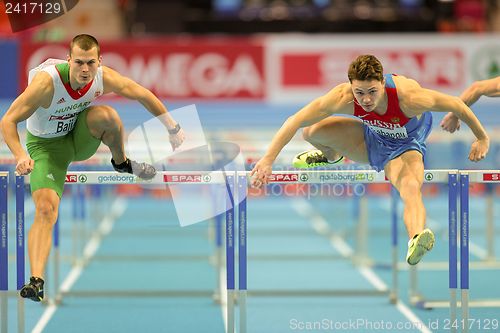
(128, 18)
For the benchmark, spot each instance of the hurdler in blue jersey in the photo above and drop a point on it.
(391, 122)
(63, 126)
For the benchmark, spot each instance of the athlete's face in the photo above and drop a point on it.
(368, 94)
(83, 66)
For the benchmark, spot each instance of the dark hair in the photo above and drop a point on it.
(85, 42)
(365, 68)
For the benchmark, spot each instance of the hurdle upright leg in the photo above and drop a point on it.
(4, 252)
(230, 253)
(218, 257)
(242, 250)
(360, 215)
(20, 250)
(452, 246)
(57, 262)
(217, 232)
(393, 296)
(464, 249)
(490, 223)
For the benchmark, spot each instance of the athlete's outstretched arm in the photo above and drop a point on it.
(123, 86)
(490, 88)
(38, 93)
(420, 100)
(317, 110)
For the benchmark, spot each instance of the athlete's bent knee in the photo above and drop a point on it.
(410, 189)
(46, 210)
(106, 116)
(306, 133)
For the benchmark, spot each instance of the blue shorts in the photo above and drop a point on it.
(381, 149)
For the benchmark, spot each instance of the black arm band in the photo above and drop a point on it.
(174, 130)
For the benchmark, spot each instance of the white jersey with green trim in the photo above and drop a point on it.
(60, 117)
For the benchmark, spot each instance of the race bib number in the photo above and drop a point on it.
(393, 133)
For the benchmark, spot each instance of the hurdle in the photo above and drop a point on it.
(4, 251)
(461, 189)
(96, 177)
(318, 177)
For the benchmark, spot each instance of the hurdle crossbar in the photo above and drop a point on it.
(162, 177)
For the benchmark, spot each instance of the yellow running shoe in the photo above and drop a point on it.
(312, 159)
(419, 245)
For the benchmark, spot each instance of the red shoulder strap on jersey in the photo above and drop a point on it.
(75, 94)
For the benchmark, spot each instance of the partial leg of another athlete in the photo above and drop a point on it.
(40, 240)
(105, 124)
(406, 173)
(334, 137)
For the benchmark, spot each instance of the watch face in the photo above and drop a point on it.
(175, 129)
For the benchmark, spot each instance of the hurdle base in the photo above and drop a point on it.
(231, 297)
(436, 266)
(21, 327)
(433, 304)
(11, 293)
(393, 297)
(317, 293)
(137, 293)
(242, 298)
(4, 311)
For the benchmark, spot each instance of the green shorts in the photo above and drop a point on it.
(52, 156)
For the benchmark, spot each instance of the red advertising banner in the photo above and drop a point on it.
(494, 177)
(224, 68)
(434, 68)
(303, 71)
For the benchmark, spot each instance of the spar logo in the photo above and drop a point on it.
(186, 178)
(284, 177)
(82, 178)
(429, 176)
(493, 177)
(71, 178)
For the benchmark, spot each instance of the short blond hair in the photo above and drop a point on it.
(85, 42)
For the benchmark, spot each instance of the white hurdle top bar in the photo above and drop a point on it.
(162, 177)
(283, 177)
(482, 176)
(372, 176)
(347, 176)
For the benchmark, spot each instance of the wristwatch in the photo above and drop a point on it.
(175, 130)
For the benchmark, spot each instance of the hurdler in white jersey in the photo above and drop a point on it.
(64, 127)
